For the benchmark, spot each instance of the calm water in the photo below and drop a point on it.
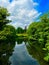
(20, 56)
(21, 53)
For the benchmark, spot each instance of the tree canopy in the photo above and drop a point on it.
(3, 17)
(38, 32)
(7, 32)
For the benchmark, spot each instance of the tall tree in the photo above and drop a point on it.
(3, 17)
(7, 32)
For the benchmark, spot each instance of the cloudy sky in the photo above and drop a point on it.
(24, 12)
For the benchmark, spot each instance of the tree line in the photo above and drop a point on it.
(38, 32)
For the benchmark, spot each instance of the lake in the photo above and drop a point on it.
(19, 54)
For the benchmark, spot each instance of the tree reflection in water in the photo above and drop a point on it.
(35, 50)
(5, 52)
(21, 39)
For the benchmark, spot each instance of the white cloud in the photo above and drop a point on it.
(22, 11)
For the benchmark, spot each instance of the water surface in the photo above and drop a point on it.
(20, 56)
(21, 53)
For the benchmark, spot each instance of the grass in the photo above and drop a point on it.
(23, 34)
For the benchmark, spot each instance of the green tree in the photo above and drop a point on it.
(3, 17)
(7, 32)
(38, 32)
(19, 30)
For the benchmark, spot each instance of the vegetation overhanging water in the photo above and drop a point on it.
(37, 36)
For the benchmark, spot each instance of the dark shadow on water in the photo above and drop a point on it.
(6, 50)
(21, 39)
(36, 51)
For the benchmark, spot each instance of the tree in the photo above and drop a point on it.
(19, 30)
(38, 32)
(7, 32)
(3, 17)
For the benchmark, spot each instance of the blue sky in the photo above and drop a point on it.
(43, 5)
(10, 0)
(24, 12)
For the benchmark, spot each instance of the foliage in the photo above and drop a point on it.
(38, 32)
(7, 32)
(3, 17)
(19, 30)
